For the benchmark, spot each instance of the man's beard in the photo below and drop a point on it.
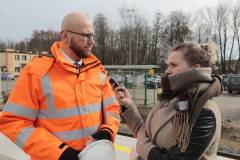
(77, 51)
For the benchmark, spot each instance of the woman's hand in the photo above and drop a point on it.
(123, 96)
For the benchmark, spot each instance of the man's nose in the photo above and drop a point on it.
(91, 41)
(168, 70)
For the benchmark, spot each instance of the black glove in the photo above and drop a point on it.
(69, 154)
(102, 134)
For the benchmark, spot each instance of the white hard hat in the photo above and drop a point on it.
(100, 150)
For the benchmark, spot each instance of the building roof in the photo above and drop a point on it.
(16, 52)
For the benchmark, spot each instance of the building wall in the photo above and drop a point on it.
(3, 61)
(15, 61)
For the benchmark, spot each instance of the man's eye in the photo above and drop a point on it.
(87, 35)
(173, 65)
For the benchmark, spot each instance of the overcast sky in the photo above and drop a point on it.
(18, 18)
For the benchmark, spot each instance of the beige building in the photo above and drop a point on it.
(13, 61)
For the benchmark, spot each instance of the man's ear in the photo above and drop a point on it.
(64, 36)
(196, 66)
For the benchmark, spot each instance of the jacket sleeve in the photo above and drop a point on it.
(133, 119)
(111, 108)
(201, 136)
(17, 121)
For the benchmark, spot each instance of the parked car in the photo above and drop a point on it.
(234, 83)
(7, 76)
(225, 81)
(129, 81)
(154, 81)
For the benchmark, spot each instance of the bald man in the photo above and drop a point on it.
(77, 35)
(62, 102)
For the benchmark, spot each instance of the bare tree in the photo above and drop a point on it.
(42, 40)
(235, 14)
(177, 29)
(124, 34)
(198, 26)
(101, 37)
(10, 44)
(222, 22)
(157, 42)
(2, 46)
(236, 24)
(136, 41)
(139, 37)
(203, 25)
(112, 47)
(23, 45)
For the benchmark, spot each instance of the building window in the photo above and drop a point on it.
(24, 57)
(22, 65)
(3, 69)
(17, 69)
(17, 57)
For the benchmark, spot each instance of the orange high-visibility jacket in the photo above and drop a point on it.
(52, 103)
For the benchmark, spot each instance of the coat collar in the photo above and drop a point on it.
(87, 63)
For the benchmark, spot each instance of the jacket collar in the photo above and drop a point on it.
(87, 63)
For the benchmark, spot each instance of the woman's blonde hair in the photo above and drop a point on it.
(204, 55)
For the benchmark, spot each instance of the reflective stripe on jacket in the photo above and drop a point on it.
(50, 105)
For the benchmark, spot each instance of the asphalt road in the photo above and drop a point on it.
(229, 105)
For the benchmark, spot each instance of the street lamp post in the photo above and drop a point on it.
(130, 12)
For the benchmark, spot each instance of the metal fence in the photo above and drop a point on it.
(143, 93)
(143, 89)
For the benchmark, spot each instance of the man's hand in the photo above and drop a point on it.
(102, 134)
(69, 154)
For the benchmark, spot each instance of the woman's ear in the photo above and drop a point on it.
(196, 66)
